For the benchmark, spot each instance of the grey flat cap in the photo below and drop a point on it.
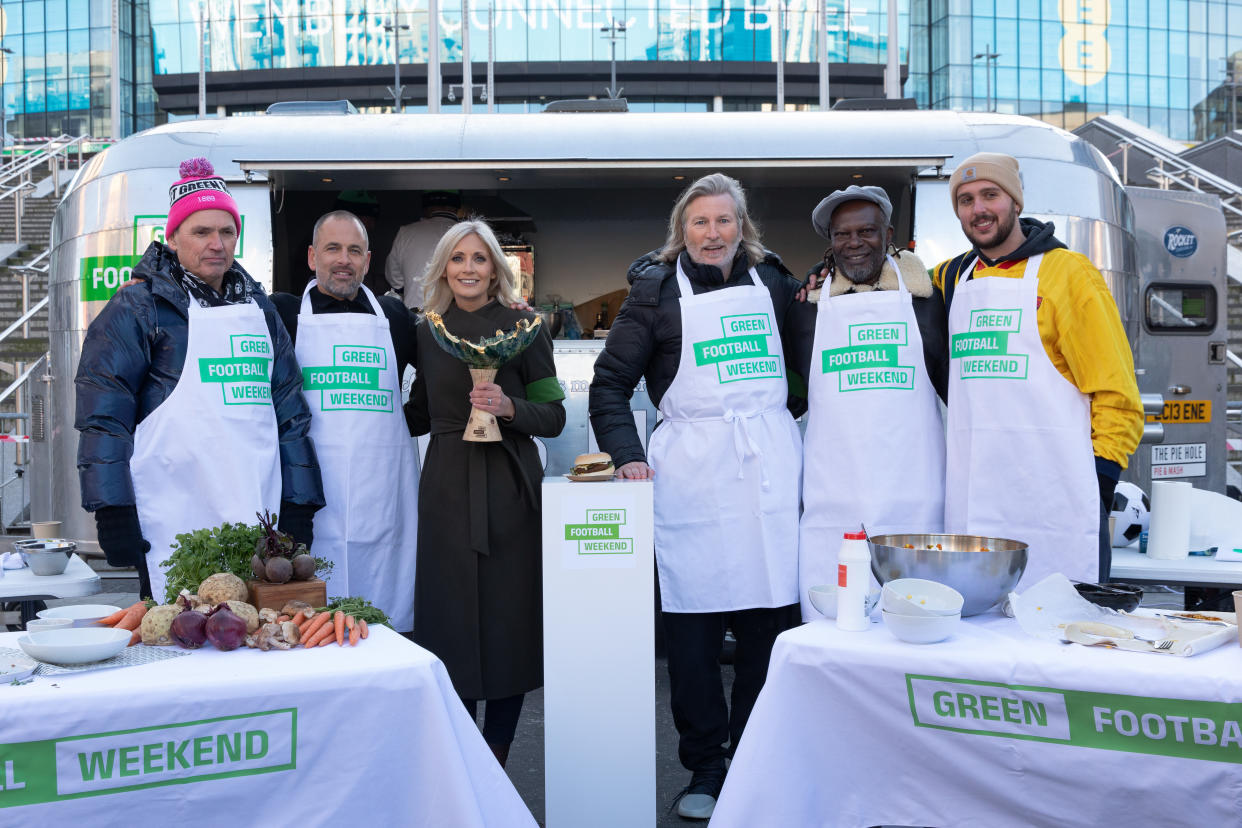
(822, 214)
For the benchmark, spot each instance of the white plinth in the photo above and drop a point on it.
(598, 654)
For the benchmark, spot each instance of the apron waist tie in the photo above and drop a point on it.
(743, 444)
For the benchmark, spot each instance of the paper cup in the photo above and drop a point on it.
(1168, 536)
(45, 529)
(1237, 607)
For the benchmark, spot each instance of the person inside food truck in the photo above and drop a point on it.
(353, 348)
(708, 322)
(874, 447)
(412, 248)
(164, 450)
(1044, 408)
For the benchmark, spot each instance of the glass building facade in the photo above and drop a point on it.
(1167, 64)
(57, 70)
(275, 34)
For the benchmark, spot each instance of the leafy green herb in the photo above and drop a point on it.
(358, 608)
(204, 552)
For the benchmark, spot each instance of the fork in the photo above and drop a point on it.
(1167, 644)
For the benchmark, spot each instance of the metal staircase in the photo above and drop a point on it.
(30, 186)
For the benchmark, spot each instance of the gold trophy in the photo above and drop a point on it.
(484, 358)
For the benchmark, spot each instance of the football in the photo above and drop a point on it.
(1132, 509)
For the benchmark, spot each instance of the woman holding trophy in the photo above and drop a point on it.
(477, 597)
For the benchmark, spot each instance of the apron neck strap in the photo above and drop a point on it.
(683, 282)
(1031, 269)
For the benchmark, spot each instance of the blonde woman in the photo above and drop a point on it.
(477, 594)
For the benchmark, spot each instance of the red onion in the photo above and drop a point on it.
(189, 629)
(225, 630)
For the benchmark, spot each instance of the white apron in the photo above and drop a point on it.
(1019, 438)
(874, 451)
(210, 453)
(369, 525)
(727, 459)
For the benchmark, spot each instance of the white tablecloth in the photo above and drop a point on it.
(326, 736)
(990, 728)
(77, 580)
(1129, 564)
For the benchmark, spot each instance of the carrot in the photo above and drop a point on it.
(280, 619)
(135, 638)
(112, 619)
(363, 624)
(300, 618)
(316, 623)
(133, 617)
(323, 633)
(327, 639)
(338, 621)
(355, 631)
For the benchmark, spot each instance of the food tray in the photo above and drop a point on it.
(129, 657)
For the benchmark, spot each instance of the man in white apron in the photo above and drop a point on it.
(353, 349)
(874, 447)
(1044, 409)
(704, 324)
(189, 398)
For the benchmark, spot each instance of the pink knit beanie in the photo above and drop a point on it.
(199, 189)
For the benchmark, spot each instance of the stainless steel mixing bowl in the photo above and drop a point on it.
(984, 570)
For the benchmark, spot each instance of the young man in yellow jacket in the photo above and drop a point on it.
(1044, 409)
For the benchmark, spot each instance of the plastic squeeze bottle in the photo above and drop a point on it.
(853, 581)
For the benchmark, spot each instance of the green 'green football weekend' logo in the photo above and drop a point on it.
(352, 381)
(96, 764)
(742, 353)
(245, 376)
(869, 362)
(601, 533)
(1184, 728)
(983, 351)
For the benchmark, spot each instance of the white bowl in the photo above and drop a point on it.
(82, 615)
(37, 624)
(74, 645)
(920, 629)
(918, 596)
(824, 598)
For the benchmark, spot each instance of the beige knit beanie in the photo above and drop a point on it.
(996, 167)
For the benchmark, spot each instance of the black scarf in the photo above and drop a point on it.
(232, 288)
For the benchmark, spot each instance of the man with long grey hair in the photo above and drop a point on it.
(708, 322)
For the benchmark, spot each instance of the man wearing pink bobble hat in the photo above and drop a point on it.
(189, 402)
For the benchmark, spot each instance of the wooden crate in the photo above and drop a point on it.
(274, 596)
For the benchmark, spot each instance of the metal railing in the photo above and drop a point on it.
(17, 173)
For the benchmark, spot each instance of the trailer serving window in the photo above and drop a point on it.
(1174, 307)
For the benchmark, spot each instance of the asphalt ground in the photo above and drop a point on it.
(526, 767)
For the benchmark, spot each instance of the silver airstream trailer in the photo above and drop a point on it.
(580, 194)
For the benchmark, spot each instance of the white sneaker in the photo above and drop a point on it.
(696, 806)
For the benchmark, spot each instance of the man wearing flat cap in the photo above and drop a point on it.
(1044, 409)
(189, 397)
(874, 446)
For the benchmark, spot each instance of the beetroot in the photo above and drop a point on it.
(189, 629)
(225, 629)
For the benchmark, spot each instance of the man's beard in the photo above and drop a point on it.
(864, 273)
(1001, 229)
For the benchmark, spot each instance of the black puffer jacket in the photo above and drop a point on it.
(645, 341)
(131, 361)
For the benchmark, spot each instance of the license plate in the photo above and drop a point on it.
(1184, 411)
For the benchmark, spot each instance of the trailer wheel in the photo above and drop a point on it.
(12, 612)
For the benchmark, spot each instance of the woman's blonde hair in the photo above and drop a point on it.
(436, 292)
(712, 185)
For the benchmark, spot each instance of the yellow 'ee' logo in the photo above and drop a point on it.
(1084, 53)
